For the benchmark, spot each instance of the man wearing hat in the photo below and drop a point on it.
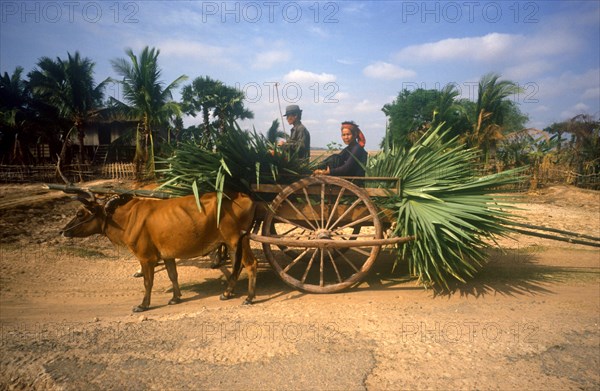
(299, 138)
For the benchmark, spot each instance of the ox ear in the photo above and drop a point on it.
(112, 204)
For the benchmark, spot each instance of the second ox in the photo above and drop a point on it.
(168, 229)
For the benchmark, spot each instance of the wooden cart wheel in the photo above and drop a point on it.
(319, 220)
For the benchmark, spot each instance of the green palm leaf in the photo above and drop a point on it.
(445, 204)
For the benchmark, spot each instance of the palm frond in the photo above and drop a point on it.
(241, 158)
(451, 210)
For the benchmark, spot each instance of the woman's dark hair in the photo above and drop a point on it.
(357, 134)
(353, 128)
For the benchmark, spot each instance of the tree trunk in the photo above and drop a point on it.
(80, 136)
(138, 159)
(206, 136)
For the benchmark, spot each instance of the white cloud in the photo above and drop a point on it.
(541, 109)
(487, 47)
(340, 96)
(387, 71)
(195, 51)
(318, 31)
(591, 93)
(366, 106)
(574, 110)
(300, 76)
(344, 61)
(270, 58)
(526, 70)
(567, 83)
(494, 48)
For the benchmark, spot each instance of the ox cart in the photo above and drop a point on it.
(320, 234)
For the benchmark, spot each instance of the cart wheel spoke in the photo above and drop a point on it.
(359, 221)
(334, 207)
(358, 201)
(309, 203)
(300, 213)
(337, 272)
(286, 221)
(312, 258)
(322, 205)
(360, 251)
(322, 266)
(295, 261)
(347, 260)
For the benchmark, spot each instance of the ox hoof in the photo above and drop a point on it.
(175, 300)
(247, 302)
(139, 308)
(138, 274)
(224, 297)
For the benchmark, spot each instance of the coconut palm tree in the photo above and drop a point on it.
(13, 96)
(69, 86)
(147, 100)
(14, 102)
(491, 110)
(451, 111)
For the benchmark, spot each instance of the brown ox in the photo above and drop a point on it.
(174, 228)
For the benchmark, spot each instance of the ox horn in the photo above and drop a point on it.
(84, 200)
(80, 192)
(64, 178)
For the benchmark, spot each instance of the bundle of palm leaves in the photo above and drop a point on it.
(240, 159)
(453, 212)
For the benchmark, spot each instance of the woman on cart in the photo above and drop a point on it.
(352, 159)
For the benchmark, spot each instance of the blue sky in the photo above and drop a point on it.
(337, 60)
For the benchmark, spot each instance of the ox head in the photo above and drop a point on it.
(88, 220)
(92, 217)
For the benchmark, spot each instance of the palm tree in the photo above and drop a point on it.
(13, 96)
(146, 99)
(230, 106)
(491, 109)
(14, 102)
(68, 85)
(200, 96)
(451, 111)
(214, 99)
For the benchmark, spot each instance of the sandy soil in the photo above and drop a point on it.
(529, 320)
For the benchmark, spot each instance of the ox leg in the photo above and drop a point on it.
(148, 271)
(172, 271)
(235, 273)
(243, 254)
(221, 255)
(139, 272)
(251, 265)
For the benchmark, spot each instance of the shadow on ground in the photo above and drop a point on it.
(508, 272)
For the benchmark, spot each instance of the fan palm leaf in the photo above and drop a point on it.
(445, 204)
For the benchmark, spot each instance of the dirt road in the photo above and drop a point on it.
(529, 320)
